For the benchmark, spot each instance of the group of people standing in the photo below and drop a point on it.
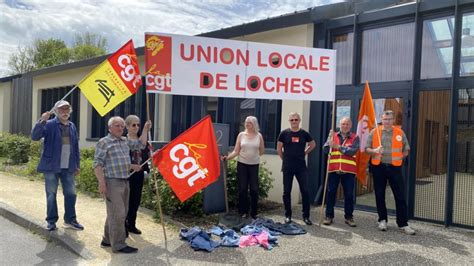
(387, 144)
(118, 166)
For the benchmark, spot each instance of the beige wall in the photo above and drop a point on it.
(298, 36)
(5, 100)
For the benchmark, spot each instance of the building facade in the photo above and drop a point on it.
(418, 58)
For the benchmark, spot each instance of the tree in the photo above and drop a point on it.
(50, 52)
(88, 45)
(21, 61)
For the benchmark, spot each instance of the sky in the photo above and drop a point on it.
(21, 22)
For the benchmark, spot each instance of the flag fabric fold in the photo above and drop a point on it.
(190, 162)
(113, 81)
(366, 122)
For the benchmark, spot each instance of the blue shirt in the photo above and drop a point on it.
(50, 131)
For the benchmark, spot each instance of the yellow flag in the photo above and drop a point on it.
(113, 81)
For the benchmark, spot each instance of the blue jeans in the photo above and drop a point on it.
(348, 184)
(51, 181)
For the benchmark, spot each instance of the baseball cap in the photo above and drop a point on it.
(61, 103)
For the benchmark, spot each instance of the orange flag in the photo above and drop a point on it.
(366, 122)
(190, 162)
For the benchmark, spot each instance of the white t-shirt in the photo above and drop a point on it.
(249, 149)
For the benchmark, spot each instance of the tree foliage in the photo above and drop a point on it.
(51, 52)
(88, 45)
(21, 61)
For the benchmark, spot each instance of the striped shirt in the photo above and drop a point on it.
(113, 154)
(387, 144)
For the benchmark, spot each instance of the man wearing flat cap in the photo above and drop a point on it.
(59, 161)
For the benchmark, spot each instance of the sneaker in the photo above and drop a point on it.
(288, 220)
(245, 216)
(51, 227)
(307, 221)
(327, 221)
(74, 225)
(104, 244)
(407, 230)
(350, 222)
(382, 225)
(128, 249)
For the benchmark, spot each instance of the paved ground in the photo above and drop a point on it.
(23, 201)
(16, 239)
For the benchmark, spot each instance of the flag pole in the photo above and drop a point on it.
(155, 178)
(333, 123)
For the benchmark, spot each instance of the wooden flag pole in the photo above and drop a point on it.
(327, 165)
(155, 178)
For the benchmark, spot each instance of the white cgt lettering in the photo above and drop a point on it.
(187, 166)
(128, 71)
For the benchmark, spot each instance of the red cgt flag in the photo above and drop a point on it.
(190, 162)
(366, 123)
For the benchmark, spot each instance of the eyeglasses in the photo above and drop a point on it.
(294, 120)
(135, 125)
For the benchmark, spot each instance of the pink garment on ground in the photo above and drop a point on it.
(255, 239)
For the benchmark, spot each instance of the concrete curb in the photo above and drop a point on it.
(58, 236)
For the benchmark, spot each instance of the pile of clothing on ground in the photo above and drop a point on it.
(262, 232)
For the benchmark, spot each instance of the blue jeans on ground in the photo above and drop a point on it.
(51, 181)
(348, 184)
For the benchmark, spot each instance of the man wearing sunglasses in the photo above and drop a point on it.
(293, 145)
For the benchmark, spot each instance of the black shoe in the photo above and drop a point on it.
(135, 230)
(128, 249)
(307, 221)
(103, 244)
(254, 217)
(288, 220)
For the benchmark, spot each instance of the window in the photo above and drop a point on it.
(387, 53)
(437, 48)
(135, 104)
(343, 44)
(467, 45)
(50, 96)
(232, 111)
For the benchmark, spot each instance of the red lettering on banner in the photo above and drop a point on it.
(288, 65)
(213, 54)
(275, 60)
(237, 84)
(221, 81)
(295, 84)
(323, 61)
(203, 81)
(267, 87)
(259, 60)
(307, 86)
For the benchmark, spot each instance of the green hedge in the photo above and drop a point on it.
(14, 147)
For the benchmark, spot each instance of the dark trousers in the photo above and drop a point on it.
(136, 186)
(393, 174)
(247, 175)
(348, 183)
(302, 178)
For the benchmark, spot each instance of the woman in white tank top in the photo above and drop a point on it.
(248, 146)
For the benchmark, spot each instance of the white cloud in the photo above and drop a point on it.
(23, 21)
